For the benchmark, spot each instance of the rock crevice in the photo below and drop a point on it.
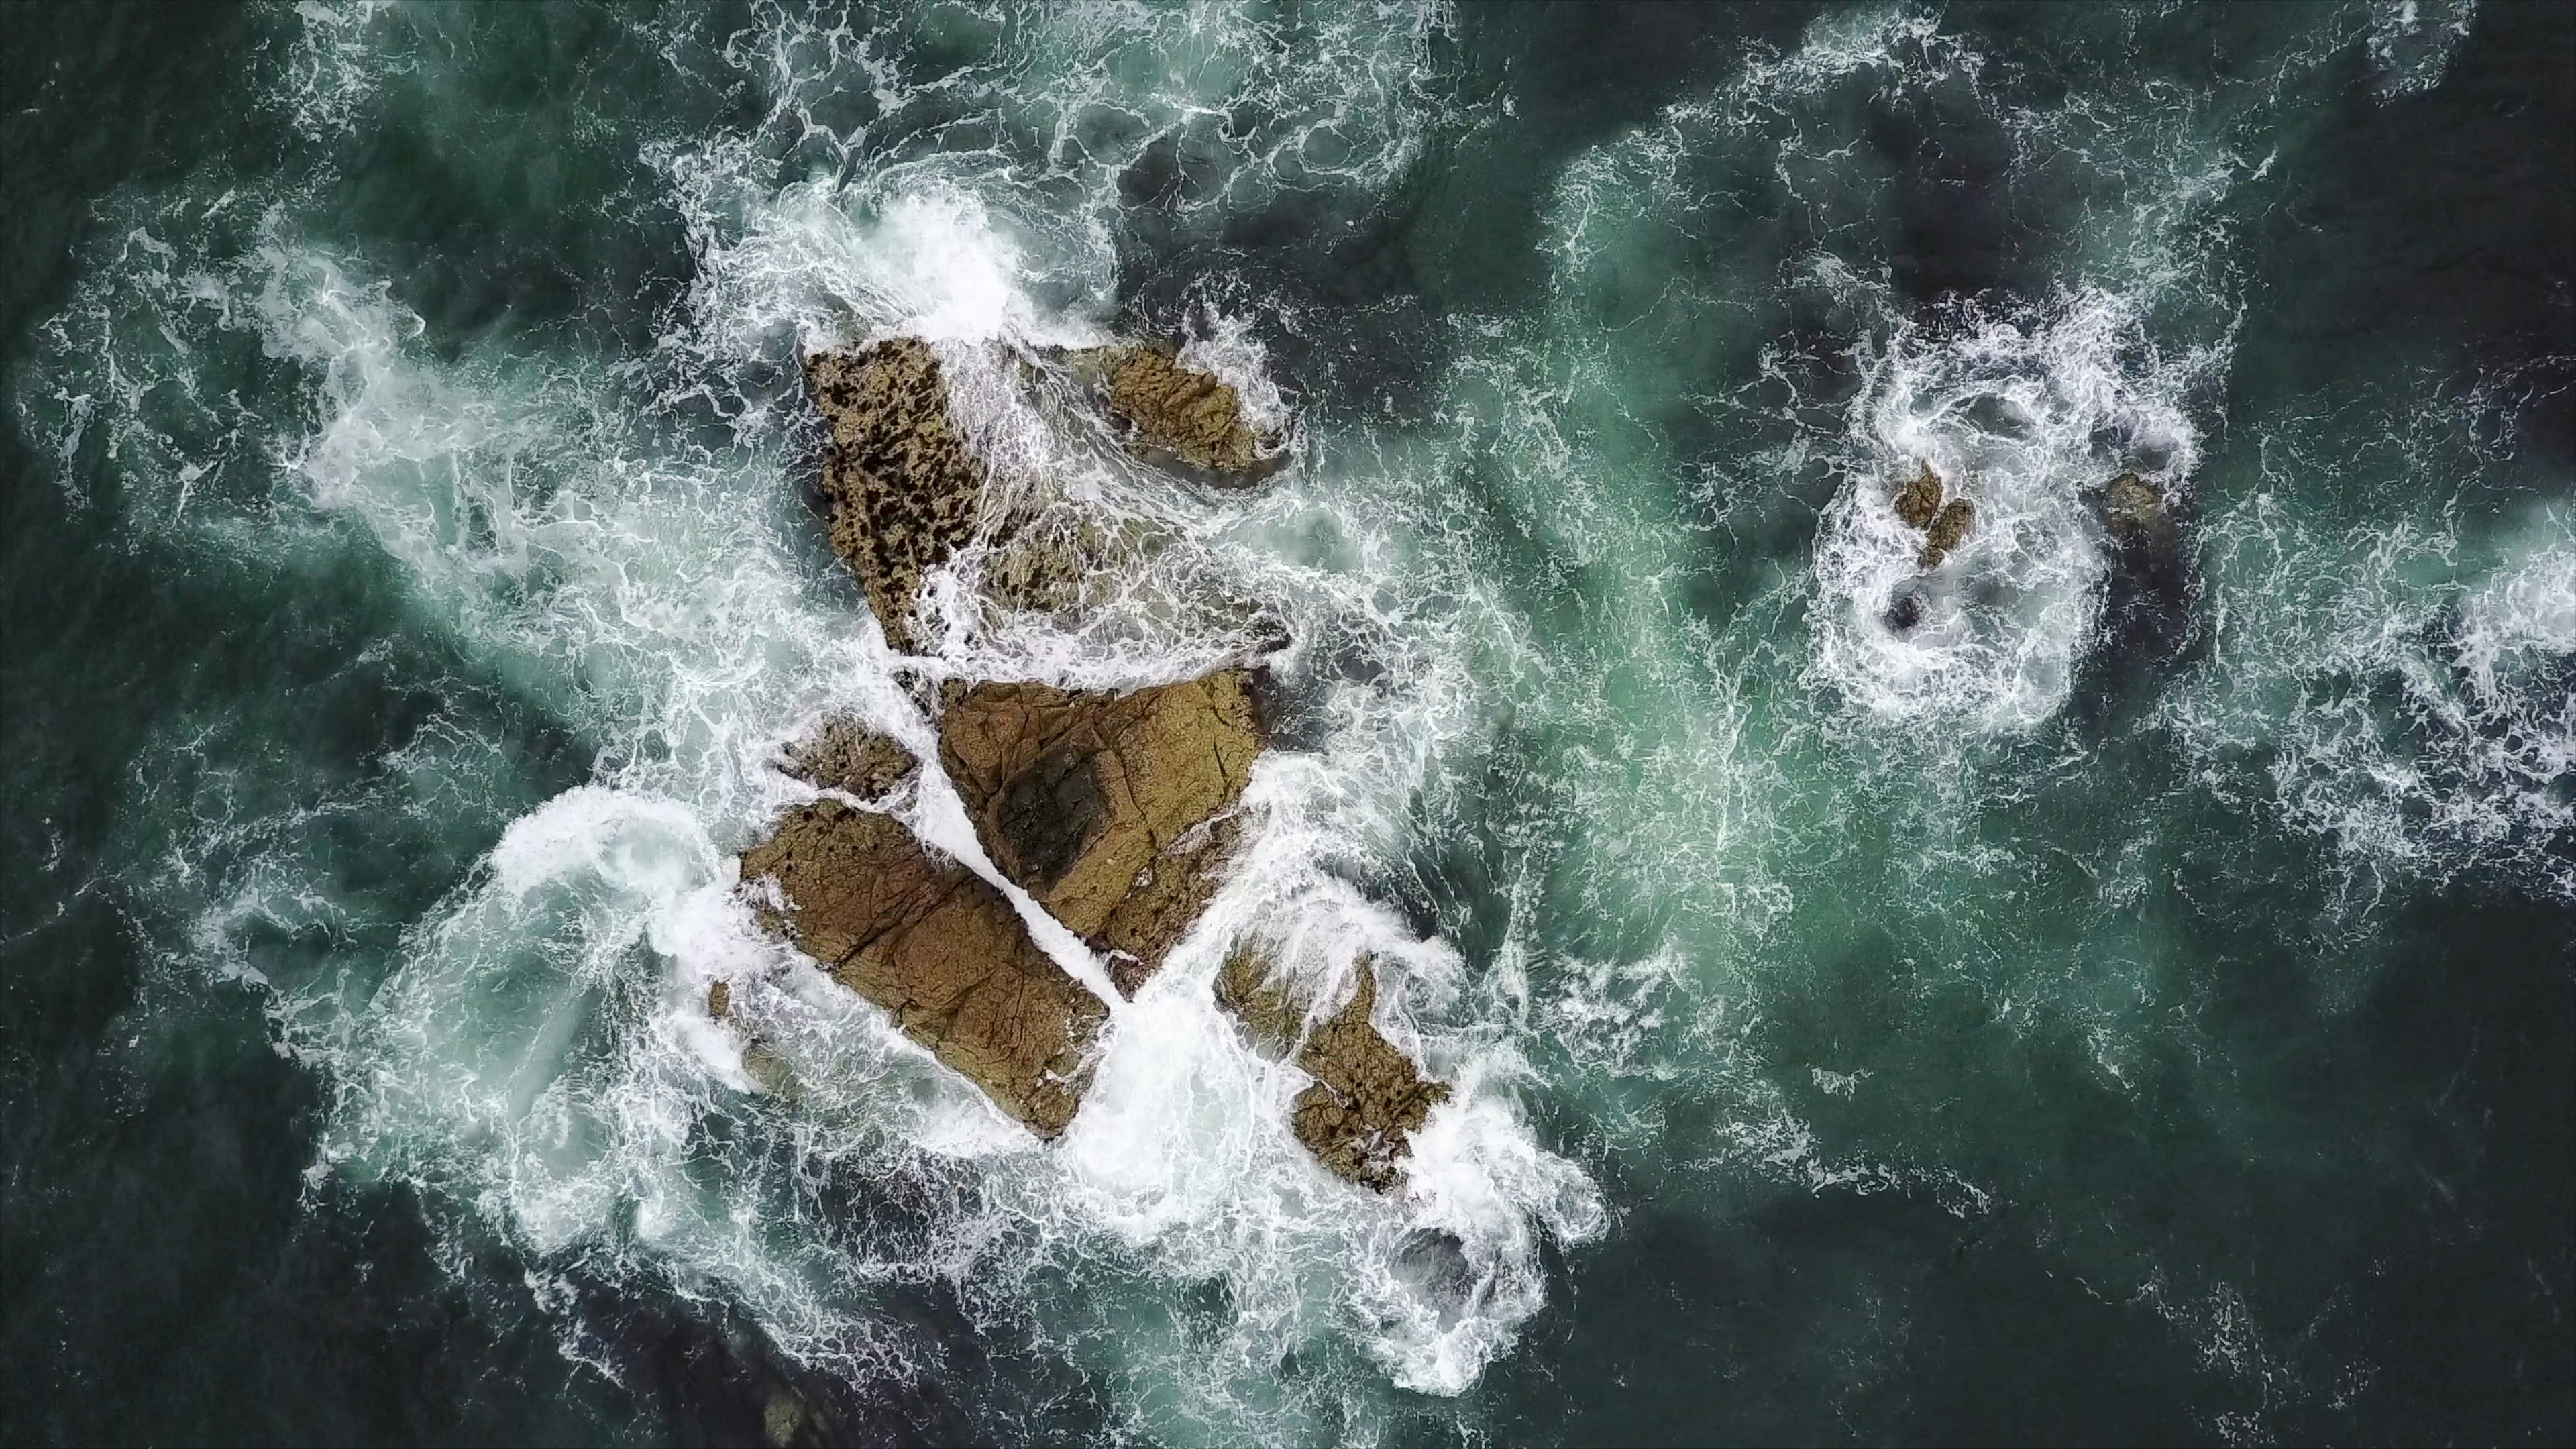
(936, 946)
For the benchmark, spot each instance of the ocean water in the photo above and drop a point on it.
(2093, 991)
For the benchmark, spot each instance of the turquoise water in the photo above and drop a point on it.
(2090, 993)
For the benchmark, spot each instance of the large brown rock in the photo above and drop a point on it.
(1176, 413)
(1367, 1096)
(1111, 810)
(901, 488)
(940, 949)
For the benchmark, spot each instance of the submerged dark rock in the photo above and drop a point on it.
(1367, 1096)
(1112, 810)
(2149, 603)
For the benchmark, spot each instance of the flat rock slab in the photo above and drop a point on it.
(1367, 1096)
(940, 949)
(1111, 810)
(901, 489)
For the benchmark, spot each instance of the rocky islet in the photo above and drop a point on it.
(1117, 811)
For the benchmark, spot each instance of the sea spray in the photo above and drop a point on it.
(1828, 986)
(2028, 422)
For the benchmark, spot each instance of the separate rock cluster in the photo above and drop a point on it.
(1945, 525)
(1116, 812)
(1367, 1095)
(1110, 810)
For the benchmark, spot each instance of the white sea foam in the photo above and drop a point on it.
(2025, 418)
(542, 1060)
(335, 64)
(2405, 681)
(2412, 42)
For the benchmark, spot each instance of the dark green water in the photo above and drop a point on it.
(2100, 992)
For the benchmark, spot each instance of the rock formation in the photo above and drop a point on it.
(1117, 812)
(1919, 501)
(1111, 810)
(2132, 504)
(901, 489)
(1173, 412)
(1367, 1096)
(1944, 525)
(939, 948)
(1949, 530)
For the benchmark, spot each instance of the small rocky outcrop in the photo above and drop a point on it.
(936, 946)
(1367, 1096)
(1113, 811)
(1919, 501)
(1945, 525)
(901, 488)
(1949, 529)
(2133, 505)
(847, 755)
(1174, 413)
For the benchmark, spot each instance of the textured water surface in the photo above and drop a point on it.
(2102, 989)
